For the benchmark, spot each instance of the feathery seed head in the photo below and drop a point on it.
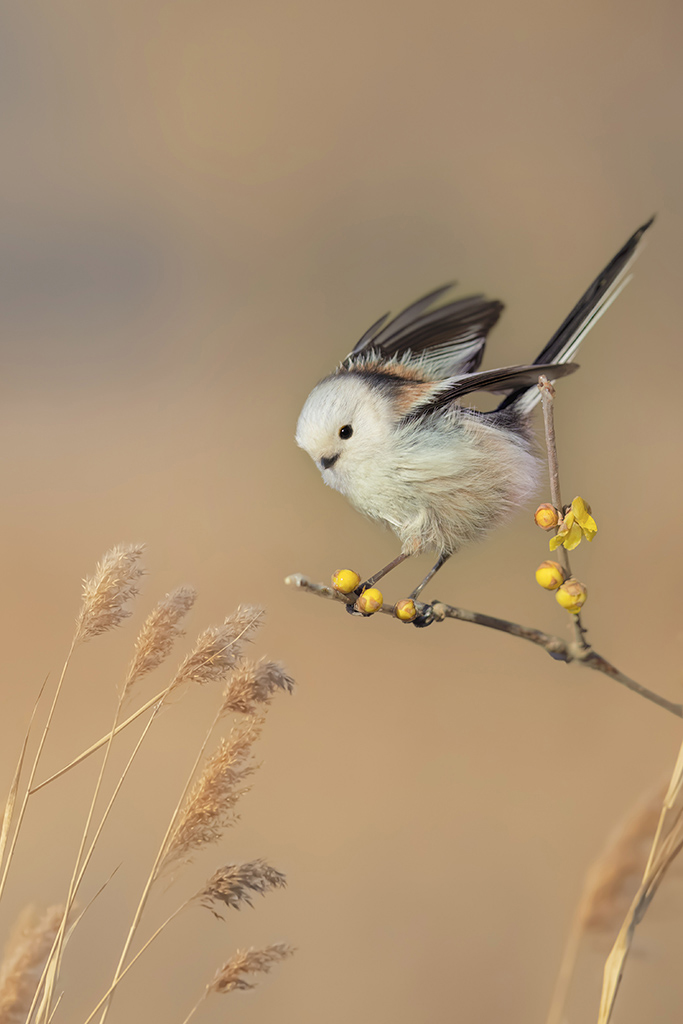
(24, 959)
(235, 884)
(218, 648)
(209, 809)
(614, 877)
(251, 961)
(105, 593)
(159, 632)
(253, 684)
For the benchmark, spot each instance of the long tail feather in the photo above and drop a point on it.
(585, 314)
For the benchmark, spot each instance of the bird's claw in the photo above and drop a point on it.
(425, 616)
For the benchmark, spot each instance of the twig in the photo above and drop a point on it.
(548, 405)
(557, 648)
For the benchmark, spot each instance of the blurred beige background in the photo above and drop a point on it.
(203, 206)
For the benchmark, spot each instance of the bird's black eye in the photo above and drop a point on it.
(345, 432)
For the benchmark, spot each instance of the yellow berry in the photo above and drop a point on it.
(572, 595)
(370, 601)
(546, 516)
(405, 610)
(345, 580)
(550, 575)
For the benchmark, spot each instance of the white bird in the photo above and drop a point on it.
(387, 428)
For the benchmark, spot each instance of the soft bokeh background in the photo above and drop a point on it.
(203, 206)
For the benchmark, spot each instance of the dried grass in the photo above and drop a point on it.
(105, 593)
(24, 959)
(614, 877)
(235, 884)
(251, 961)
(158, 634)
(30, 971)
(209, 809)
(218, 649)
(254, 683)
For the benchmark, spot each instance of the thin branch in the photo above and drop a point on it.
(548, 406)
(557, 648)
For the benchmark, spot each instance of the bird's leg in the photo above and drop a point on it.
(432, 572)
(383, 572)
(351, 608)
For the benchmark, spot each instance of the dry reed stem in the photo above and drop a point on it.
(158, 634)
(119, 977)
(151, 703)
(103, 607)
(209, 809)
(665, 848)
(34, 767)
(237, 627)
(608, 890)
(105, 593)
(152, 645)
(214, 654)
(235, 884)
(14, 786)
(257, 876)
(24, 959)
(252, 684)
(615, 875)
(105, 815)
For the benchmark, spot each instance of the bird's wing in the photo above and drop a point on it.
(449, 339)
(508, 378)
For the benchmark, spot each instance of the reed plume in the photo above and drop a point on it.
(209, 808)
(235, 884)
(250, 961)
(25, 956)
(254, 683)
(218, 648)
(614, 877)
(105, 593)
(158, 634)
(30, 971)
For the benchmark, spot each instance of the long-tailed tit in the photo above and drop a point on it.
(387, 428)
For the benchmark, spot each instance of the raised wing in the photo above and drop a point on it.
(449, 339)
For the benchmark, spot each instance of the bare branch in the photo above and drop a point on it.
(557, 648)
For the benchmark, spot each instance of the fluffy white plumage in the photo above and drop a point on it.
(437, 484)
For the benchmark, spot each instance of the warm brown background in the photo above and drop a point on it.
(203, 205)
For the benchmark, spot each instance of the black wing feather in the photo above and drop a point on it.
(451, 338)
(508, 378)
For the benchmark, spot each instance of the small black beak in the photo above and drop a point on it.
(328, 461)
